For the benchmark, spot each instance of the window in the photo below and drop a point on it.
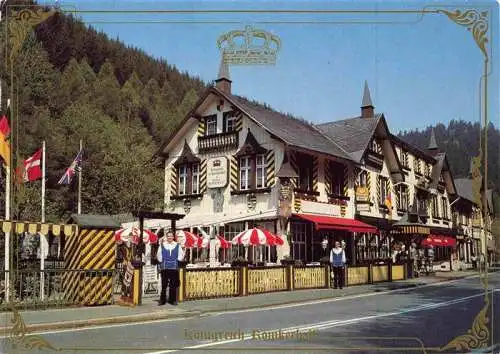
(376, 147)
(382, 184)
(337, 178)
(245, 173)
(299, 234)
(305, 166)
(363, 179)
(404, 158)
(230, 123)
(403, 197)
(444, 207)
(195, 180)
(252, 172)
(435, 207)
(182, 180)
(260, 170)
(427, 169)
(211, 123)
(189, 179)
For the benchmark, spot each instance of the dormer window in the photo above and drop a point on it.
(252, 165)
(211, 124)
(188, 173)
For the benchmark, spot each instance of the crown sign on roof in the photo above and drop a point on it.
(249, 46)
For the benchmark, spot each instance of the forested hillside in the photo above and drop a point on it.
(74, 83)
(460, 140)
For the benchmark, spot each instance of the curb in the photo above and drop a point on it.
(102, 321)
(5, 331)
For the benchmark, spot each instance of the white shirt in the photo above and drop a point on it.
(169, 247)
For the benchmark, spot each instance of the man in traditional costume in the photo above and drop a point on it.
(168, 255)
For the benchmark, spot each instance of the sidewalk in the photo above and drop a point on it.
(67, 318)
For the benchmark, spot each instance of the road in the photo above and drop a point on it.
(422, 317)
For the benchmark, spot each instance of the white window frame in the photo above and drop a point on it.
(211, 122)
(245, 169)
(260, 171)
(182, 182)
(230, 122)
(195, 179)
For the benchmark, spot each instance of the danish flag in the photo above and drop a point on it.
(32, 169)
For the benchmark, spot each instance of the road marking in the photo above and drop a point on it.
(267, 308)
(330, 324)
(350, 297)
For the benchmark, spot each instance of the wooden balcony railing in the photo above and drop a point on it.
(218, 142)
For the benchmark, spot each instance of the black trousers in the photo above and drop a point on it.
(170, 278)
(338, 277)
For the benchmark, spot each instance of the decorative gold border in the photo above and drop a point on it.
(475, 21)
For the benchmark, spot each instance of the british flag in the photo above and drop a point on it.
(70, 172)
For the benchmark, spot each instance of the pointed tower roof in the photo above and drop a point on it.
(367, 99)
(186, 156)
(223, 70)
(432, 143)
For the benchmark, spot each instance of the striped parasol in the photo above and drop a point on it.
(187, 239)
(131, 234)
(256, 237)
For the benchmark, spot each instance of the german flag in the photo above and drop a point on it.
(4, 134)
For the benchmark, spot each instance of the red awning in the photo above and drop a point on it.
(435, 240)
(330, 222)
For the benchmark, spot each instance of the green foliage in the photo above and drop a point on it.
(74, 84)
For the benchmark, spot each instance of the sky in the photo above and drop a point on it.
(421, 70)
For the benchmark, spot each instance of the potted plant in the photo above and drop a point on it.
(287, 260)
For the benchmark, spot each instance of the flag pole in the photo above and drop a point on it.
(42, 250)
(80, 182)
(43, 181)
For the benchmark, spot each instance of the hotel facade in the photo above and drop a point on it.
(233, 164)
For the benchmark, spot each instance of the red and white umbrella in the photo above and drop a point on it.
(132, 234)
(256, 237)
(222, 243)
(187, 239)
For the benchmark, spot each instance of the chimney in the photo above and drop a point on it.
(367, 109)
(433, 147)
(223, 82)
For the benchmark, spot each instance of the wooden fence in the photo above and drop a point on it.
(228, 282)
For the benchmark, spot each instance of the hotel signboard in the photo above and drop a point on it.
(217, 172)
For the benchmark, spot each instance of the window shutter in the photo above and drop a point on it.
(270, 173)
(203, 176)
(239, 122)
(407, 190)
(315, 173)
(202, 127)
(346, 181)
(378, 189)
(293, 163)
(396, 194)
(387, 188)
(328, 178)
(173, 180)
(234, 174)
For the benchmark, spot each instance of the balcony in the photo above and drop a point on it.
(218, 142)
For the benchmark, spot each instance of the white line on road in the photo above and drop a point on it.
(267, 308)
(330, 324)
